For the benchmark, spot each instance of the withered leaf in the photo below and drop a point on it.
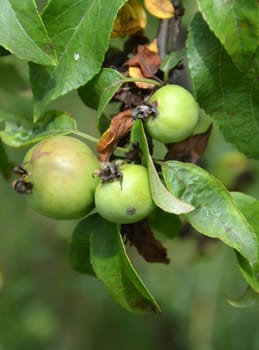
(135, 72)
(147, 58)
(160, 8)
(190, 149)
(130, 19)
(142, 238)
(120, 125)
(129, 96)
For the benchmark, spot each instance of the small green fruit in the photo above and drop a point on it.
(60, 170)
(177, 114)
(127, 199)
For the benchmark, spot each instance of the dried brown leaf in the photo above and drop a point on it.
(147, 59)
(120, 126)
(128, 96)
(190, 149)
(141, 236)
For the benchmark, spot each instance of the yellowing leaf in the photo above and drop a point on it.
(135, 72)
(153, 46)
(160, 8)
(131, 19)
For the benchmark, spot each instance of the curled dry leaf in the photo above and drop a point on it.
(130, 19)
(147, 59)
(163, 9)
(142, 238)
(119, 127)
(190, 149)
(135, 72)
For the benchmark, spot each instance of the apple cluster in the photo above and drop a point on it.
(58, 176)
(62, 178)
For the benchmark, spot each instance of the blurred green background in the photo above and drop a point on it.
(46, 305)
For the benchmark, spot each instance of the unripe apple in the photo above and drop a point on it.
(126, 199)
(59, 170)
(176, 117)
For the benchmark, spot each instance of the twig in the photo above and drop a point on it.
(169, 30)
(162, 37)
(176, 23)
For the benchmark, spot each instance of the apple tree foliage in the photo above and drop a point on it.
(67, 45)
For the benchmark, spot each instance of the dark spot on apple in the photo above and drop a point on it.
(131, 211)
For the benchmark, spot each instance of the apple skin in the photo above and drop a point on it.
(177, 114)
(125, 200)
(60, 169)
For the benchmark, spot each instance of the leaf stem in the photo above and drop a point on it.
(142, 80)
(96, 140)
(85, 136)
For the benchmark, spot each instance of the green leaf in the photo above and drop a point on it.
(216, 214)
(20, 132)
(80, 248)
(112, 266)
(102, 87)
(5, 166)
(235, 23)
(248, 299)
(229, 96)
(161, 196)
(171, 60)
(23, 32)
(249, 273)
(249, 207)
(99, 91)
(80, 32)
(164, 223)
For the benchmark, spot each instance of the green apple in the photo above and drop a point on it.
(126, 199)
(176, 117)
(60, 170)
